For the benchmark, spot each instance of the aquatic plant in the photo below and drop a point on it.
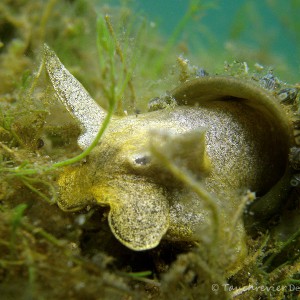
(45, 250)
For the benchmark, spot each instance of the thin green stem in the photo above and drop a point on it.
(26, 181)
(39, 231)
(138, 274)
(284, 245)
(119, 52)
(288, 281)
(30, 263)
(45, 17)
(36, 78)
(193, 7)
(88, 150)
(8, 263)
(19, 171)
(15, 224)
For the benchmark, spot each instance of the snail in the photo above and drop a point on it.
(229, 134)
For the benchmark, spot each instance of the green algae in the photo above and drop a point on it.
(46, 253)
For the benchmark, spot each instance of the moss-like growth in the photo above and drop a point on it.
(47, 253)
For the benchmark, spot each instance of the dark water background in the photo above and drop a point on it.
(269, 26)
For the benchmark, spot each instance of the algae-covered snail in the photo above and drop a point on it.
(231, 134)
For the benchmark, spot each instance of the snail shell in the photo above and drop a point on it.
(269, 129)
(260, 115)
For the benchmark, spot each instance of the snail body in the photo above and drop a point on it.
(231, 135)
